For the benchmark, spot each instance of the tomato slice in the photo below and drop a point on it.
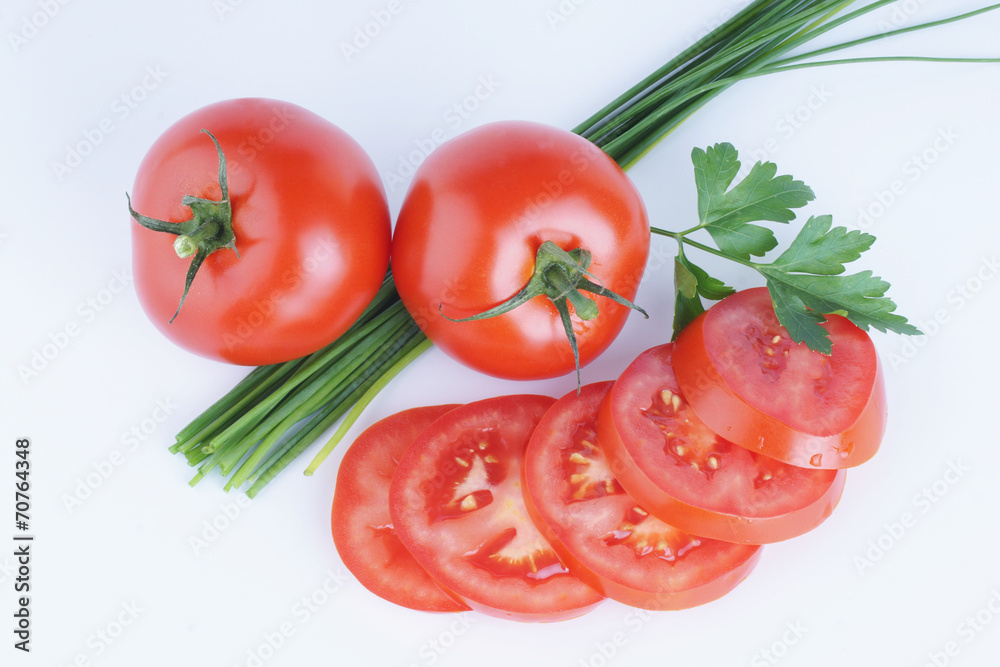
(456, 504)
(747, 380)
(362, 528)
(603, 535)
(688, 476)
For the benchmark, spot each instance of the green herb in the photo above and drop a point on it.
(277, 412)
(805, 281)
(755, 42)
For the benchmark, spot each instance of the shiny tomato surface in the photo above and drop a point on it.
(603, 535)
(311, 223)
(456, 505)
(471, 224)
(746, 379)
(690, 477)
(362, 528)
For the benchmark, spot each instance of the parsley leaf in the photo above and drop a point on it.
(691, 282)
(806, 281)
(807, 276)
(822, 250)
(859, 297)
(687, 304)
(761, 196)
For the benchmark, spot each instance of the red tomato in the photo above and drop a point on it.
(362, 528)
(602, 534)
(312, 231)
(747, 380)
(466, 239)
(686, 475)
(457, 506)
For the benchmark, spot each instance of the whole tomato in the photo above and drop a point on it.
(308, 245)
(508, 208)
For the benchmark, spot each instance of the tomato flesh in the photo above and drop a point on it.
(606, 537)
(746, 379)
(312, 231)
(688, 476)
(472, 222)
(362, 527)
(457, 506)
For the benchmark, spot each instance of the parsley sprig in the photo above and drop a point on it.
(807, 281)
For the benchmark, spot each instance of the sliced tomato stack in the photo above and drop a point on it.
(656, 490)
(746, 379)
(687, 474)
(603, 534)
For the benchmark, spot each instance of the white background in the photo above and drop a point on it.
(862, 589)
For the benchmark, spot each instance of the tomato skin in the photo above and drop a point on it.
(578, 524)
(469, 228)
(360, 520)
(817, 442)
(519, 578)
(733, 505)
(312, 231)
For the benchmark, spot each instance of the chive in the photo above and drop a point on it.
(345, 347)
(412, 339)
(221, 415)
(363, 402)
(276, 412)
(252, 382)
(294, 412)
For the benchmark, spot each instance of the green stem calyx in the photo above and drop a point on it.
(209, 229)
(563, 277)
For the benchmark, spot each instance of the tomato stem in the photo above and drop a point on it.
(561, 276)
(210, 227)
